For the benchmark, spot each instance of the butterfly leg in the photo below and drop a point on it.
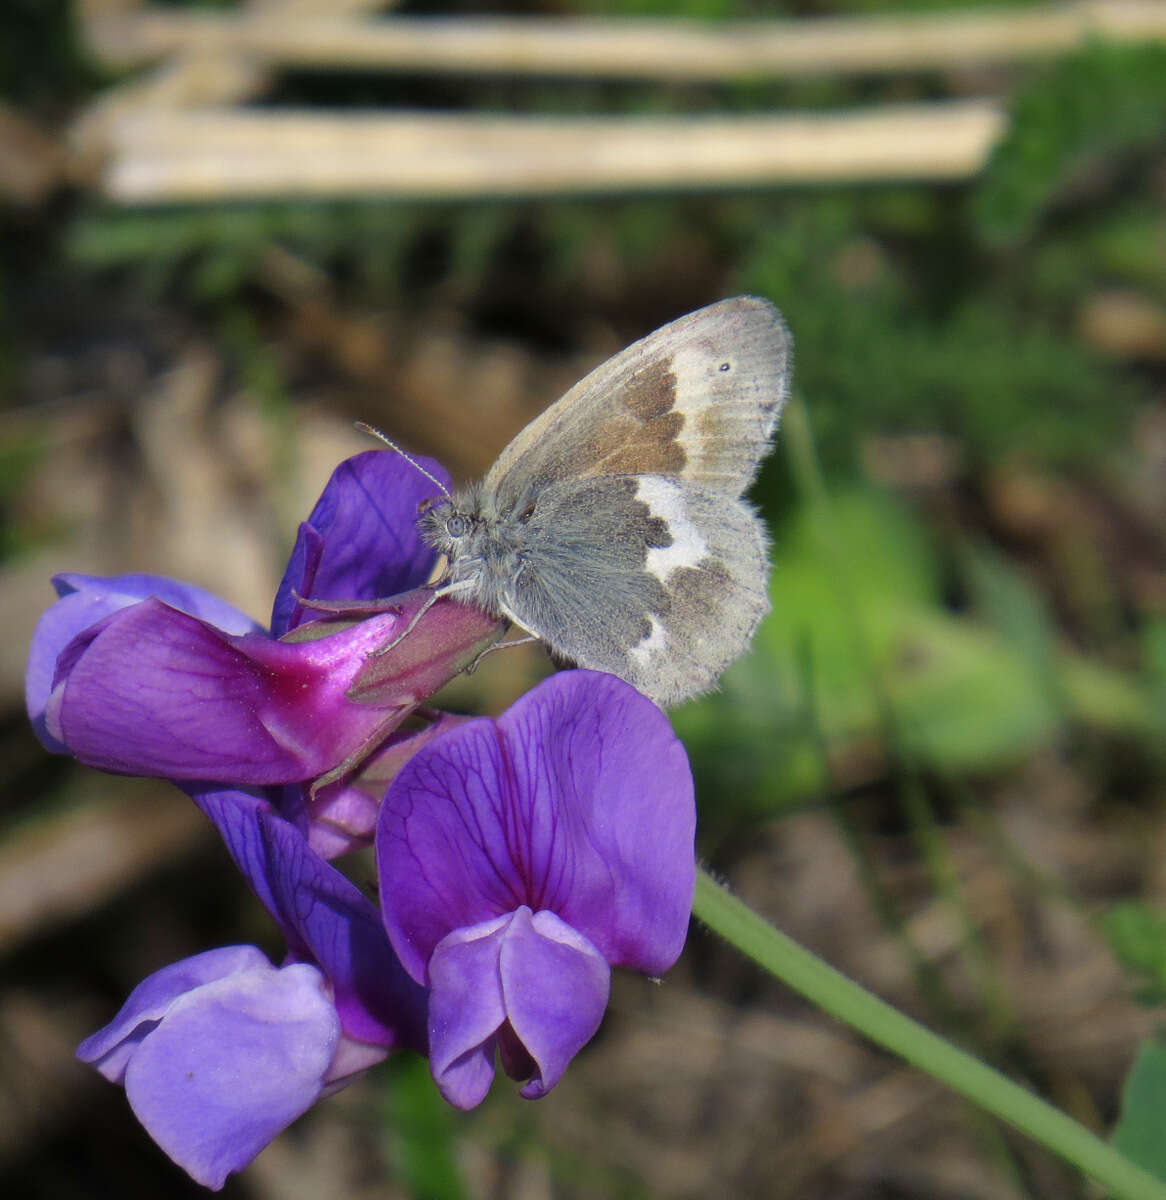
(522, 641)
(451, 589)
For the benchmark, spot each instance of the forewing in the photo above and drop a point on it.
(696, 400)
(657, 580)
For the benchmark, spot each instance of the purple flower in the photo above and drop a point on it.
(324, 917)
(221, 1052)
(147, 676)
(360, 542)
(85, 601)
(520, 859)
(342, 816)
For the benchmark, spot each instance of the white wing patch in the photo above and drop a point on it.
(666, 501)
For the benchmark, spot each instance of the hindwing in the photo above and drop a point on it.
(657, 580)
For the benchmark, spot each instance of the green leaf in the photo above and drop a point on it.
(856, 594)
(859, 628)
(1143, 1110)
(1137, 936)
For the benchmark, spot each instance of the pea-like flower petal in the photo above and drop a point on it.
(109, 1049)
(343, 815)
(87, 599)
(324, 917)
(143, 675)
(360, 542)
(529, 971)
(577, 800)
(220, 1053)
(151, 690)
(519, 858)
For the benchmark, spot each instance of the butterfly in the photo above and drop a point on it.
(614, 527)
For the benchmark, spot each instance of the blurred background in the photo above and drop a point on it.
(228, 230)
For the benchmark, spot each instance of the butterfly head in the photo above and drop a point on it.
(453, 526)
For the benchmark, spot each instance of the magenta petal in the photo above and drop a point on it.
(154, 691)
(70, 616)
(556, 986)
(466, 1008)
(232, 1064)
(158, 692)
(343, 815)
(343, 818)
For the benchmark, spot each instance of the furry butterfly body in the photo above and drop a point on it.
(613, 527)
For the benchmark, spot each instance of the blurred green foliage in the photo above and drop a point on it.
(1079, 126)
(1137, 934)
(1139, 1132)
(861, 651)
(421, 1130)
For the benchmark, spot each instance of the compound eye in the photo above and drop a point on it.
(457, 525)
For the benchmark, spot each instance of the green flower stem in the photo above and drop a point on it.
(795, 966)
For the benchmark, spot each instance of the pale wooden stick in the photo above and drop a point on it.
(635, 49)
(197, 74)
(219, 155)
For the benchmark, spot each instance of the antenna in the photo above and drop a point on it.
(376, 433)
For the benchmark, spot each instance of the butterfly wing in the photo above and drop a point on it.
(659, 581)
(696, 400)
(637, 554)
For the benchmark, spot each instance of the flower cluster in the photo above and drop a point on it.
(518, 859)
